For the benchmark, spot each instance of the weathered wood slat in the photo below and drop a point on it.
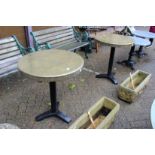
(57, 38)
(54, 34)
(9, 61)
(50, 30)
(9, 72)
(11, 44)
(73, 46)
(4, 65)
(7, 50)
(8, 55)
(69, 41)
(8, 69)
(6, 40)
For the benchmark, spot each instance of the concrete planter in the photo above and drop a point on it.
(8, 126)
(103, 113)
(126, 92)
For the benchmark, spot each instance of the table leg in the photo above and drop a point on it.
(151, 40)
(97, 46)
(129, 63)
(54, 111)
(109, 74)
(140, 53)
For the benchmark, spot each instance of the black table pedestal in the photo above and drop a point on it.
(140, 53)
(54, 111)
(109, 75)
(151, 40)
(129, 63)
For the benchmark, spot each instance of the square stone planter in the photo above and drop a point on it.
(102, 112)
(126, 92)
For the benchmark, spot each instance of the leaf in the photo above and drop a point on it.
(82, 80)
(71, 86)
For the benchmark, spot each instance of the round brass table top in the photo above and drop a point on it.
(50, 64)
(112, 39)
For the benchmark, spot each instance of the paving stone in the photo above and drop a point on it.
(142, 124)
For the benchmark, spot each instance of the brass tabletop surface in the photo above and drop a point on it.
(50, 64)
(112, 39)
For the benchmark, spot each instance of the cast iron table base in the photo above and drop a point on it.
(109, 77)
(109, 74)
(140, 53)
(54, 111)
(129, 63)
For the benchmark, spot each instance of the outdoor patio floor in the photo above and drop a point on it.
(22, 98)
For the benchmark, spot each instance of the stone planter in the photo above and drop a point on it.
(126, 92)
(103, 113)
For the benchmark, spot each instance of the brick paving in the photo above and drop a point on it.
(22, 98)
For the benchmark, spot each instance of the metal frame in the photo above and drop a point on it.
(54, 111)
(109, 74)
(129, 62)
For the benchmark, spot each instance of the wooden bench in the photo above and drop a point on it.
(60, 38)
(10, 52)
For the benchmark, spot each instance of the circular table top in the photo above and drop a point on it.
(140, 41)
(50, 64)
(145, 34)
(112, 39)
(153, 114)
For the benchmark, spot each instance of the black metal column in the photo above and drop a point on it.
(54, 111)
(111, 60)
(129, 63)
(109, 74)
(151, 40)
(131, 53)
(140, 52)
(53, 95)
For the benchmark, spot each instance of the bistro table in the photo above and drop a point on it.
(137, 42)
(143, 34)
(112, 40)
(50, 66)
(153, 114)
